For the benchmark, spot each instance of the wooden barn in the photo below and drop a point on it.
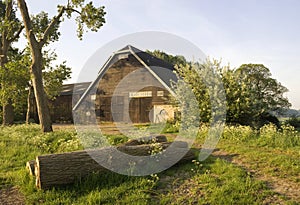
(132, 86)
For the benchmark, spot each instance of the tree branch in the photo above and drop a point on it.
(4, 40)
(27, 21)
(17, 35)
(54, 21)
(73, 10)
(8, 9)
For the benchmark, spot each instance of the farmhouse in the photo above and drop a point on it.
(132, 86)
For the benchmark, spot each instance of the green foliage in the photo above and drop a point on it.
(203, 80)
(267, 136)
(54, 76)
(15, 80)
(40, 23)
(116, 139)
(62, 141)
(293, 121)
(9, 24)
(239, 133)
(174, 60)
(171, 126)
(286, 138)
(89, 16)
(10, 28)
(252, 94)
(92, 17)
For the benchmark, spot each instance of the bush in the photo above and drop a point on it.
(239, 133)
(285, 138)
(293, 121)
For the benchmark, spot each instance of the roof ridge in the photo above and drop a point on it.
(130, 48)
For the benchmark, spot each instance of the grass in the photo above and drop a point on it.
(214, 181)
(218, 182)
(273, 152)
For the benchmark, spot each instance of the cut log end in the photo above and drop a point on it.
(30, 166)
(37, 173)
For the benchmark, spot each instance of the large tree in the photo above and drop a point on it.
(88, 16)
(254, 95)
(10, 29)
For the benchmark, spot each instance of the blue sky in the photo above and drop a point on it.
(237, 31)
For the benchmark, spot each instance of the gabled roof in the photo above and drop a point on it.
(153, 64)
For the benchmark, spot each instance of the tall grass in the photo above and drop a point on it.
(268, 135)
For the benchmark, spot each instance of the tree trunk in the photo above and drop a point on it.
(30, 106)
(36, 70)
(60, 169)
(39, 92)
(7, 107)
(8, 113)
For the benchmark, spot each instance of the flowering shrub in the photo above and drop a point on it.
(268, 135)
(239, 133)
(59, 141)
(272, 137)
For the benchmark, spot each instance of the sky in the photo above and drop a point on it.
(236, 31)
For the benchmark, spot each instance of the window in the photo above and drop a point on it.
(160, 93)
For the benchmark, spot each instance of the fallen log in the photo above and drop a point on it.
(65, 168)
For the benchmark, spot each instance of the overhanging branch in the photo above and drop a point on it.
(27, 21)
(54, 22)
(17, 35)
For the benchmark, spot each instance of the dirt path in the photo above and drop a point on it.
(11, 196)
(283, 187)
